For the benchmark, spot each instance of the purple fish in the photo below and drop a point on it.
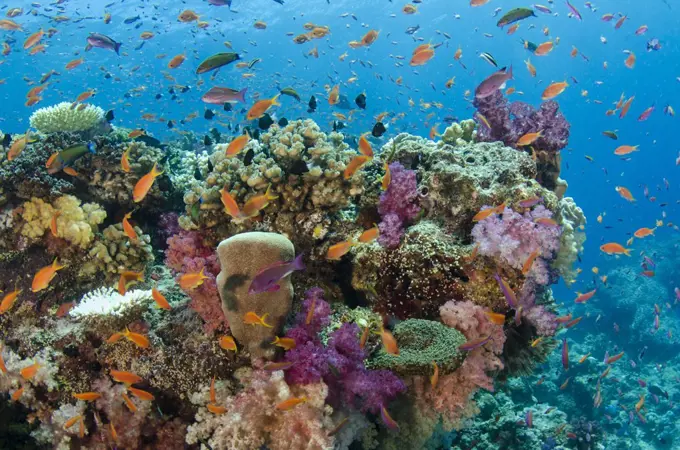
(267, 279)
(543, 9)
(102, 41)
(475, 343)
(220, 95)
(565, 354)
(493, 83)
(518, 316)
(529, 202)
(507, 292)
(574, 11)
(388, 420)
(529, 419)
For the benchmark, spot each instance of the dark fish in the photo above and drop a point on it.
(216, 61)
(207, 140)
(265, 122)
(184, 89)
(253, 62)
(338, 125)
(158, 96)
(208, 114)
(529, 46)
(151, 141)
(343, 102)
(171, 124)
(6, 140)
(228, 107)
(280, 2)
(411, 30)
(109, 116)
(378, 129)
(656, 390)
(283, 122)
(215, 134)
(290, 92)
(130, 20)
(312, 105)
(141, 44)
(299, 167)
(361, 101)
(515, 15)
(248, 158)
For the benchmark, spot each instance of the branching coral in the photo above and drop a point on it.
(398, 205)
(513, 237)
(115, 252)
(62, 117)
(74, 222)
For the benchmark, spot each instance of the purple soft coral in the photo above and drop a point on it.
(509, 122)
(513, 237)
(398, 205)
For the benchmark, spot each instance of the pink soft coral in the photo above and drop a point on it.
(512, 237)
(187, 253)
(452, 396)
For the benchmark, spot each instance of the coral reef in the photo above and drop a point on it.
(398, 205)
(63, 117)
(460, 133)
(573, 222)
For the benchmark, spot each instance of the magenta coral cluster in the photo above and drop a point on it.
(542, 319)
(512, 237)
(187, 253)
(398, 205)
(340, 363)
(510, 121)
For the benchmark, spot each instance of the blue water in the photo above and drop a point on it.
(654, 81)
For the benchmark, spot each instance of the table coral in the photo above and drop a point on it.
(62, 117)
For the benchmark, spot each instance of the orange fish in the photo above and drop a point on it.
(354, 165)
(43, 277)
(369, 235)
(16, 395)
(72, 421)
(29, 372)
(612, 248)
(257, 203)
(498, 319)
(630, 61)
(310, 312)
(582, 298)
(484, 213)
(128, 229)
(530, 68)
(87, 396)
(389, 342)
(584, 358)
(140, 394)
(176, 61)
(114, 434)
(434, 378)
(613, 359)
(528, 139)
(640, 403)
(337, 251)
(626, 107)
(285, 343)
(237, 144)
(84, 96)
(291, 403)
(128, 277)
(228, 343)
(365, 146)
(8, 300)
(334, 95)
(626, 149)
(364, 337)
(230, 205)
(138, 339)
(124, 160)
(369, 37)
(387, 178)
(421, 57)
(38, 49)
(187, 16)
(261, 107)
(625, 193)
(215, 409)
(129, 403)
(192, 280)
(513, 28)
(554, 90)
(574, 52)
(536, 341)
(53, 223)
(136, 133)
(3, 367)
(644, 232)
(160, 299)
(213, 394)
(544, 49)
(475, 3)
(253, 319)
(529, 262)
(144, 184)
(125, 377)
(33, 39)
(75, 63)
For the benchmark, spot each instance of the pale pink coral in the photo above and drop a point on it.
(186, 253)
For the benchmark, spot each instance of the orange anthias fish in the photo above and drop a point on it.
(16, 395)
(176, 61)
(216, 409)
(238, 144)
(125, 377)
(88, 396)
(337, 251)
(187, 16)
(613, 359)
(144, 184)
(43, 277)
(253, 319)
(75, 63)
(125, 161)
(29, 372)
(128, 277)
(128, 229)
(261, 107)
(584, 358)
(496, 318)
(160, 299)
(33, 39)
(256, 203)
(612, 248)
(640, 403)
(389, 342)
(129, 403)
(484, 213)
(544, 48)
(285, 343)
(140, 393)
(8, 300)
(554, 90)
(365, 146)
(3, 367)
(625, 193)
(526, 268)
(354, 165)
(387, 178)
(530, 68)
(644, 232)
(334, 95)
(193, 280)
(582, 298)
(228, 343)
(528, 139)
(64, 309)
(138, 339)
(422, 56)
(626, 107)
(625, 149)
(369, 235)
(630, 61)
(434, 378)
(291, 403)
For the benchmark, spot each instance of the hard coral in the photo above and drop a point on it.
(62, 117)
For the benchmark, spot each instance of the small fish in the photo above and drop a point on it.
(584, 358)
(613, 359)
(269, 277)
(574, 322)
(189, 281)
(582, 298)
(87, 396)
(434, 378)
(613, 248)
(565, 354)
(273, 366)
(554, 90)
(42, 278)
(216, 409)
(337, 251)
(474, 343)
(160, 299)
(29, 372)
(389, 342)
(8, 300)
(129, 403)
(507, 291)
(498, 319)
(291, 403)
(529, 419)
(369, 235)
(338, 427)
(526, 268)
(145, 183)
(16, 395)
(253, 319)
(387, 419)
(285, 343)
(228, 343)
(125, 377)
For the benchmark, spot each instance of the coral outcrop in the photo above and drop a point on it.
(64, 118)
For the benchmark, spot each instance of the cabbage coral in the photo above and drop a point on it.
(63, 118)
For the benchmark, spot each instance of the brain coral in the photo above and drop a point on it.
(62, 117)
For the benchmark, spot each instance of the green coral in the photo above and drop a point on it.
(63, 117)
(420, 343)
(75, 223)
(461, 133)
(114, 253)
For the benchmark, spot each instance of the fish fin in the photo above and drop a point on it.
(88, 47)
(242, 95)
(274, 288)
(117, 47)
(298, 263)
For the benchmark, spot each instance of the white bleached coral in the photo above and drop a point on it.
(106, 301)
(61, 117)
(75, 223)
(573, 221)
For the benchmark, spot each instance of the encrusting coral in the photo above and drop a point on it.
(63, 117)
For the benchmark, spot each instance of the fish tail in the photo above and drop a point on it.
(241, 96)
(275, 100)
(298, 263)
(510, 72)
(269, 195)
(116, 47)
(56, 265)
(155, 172)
